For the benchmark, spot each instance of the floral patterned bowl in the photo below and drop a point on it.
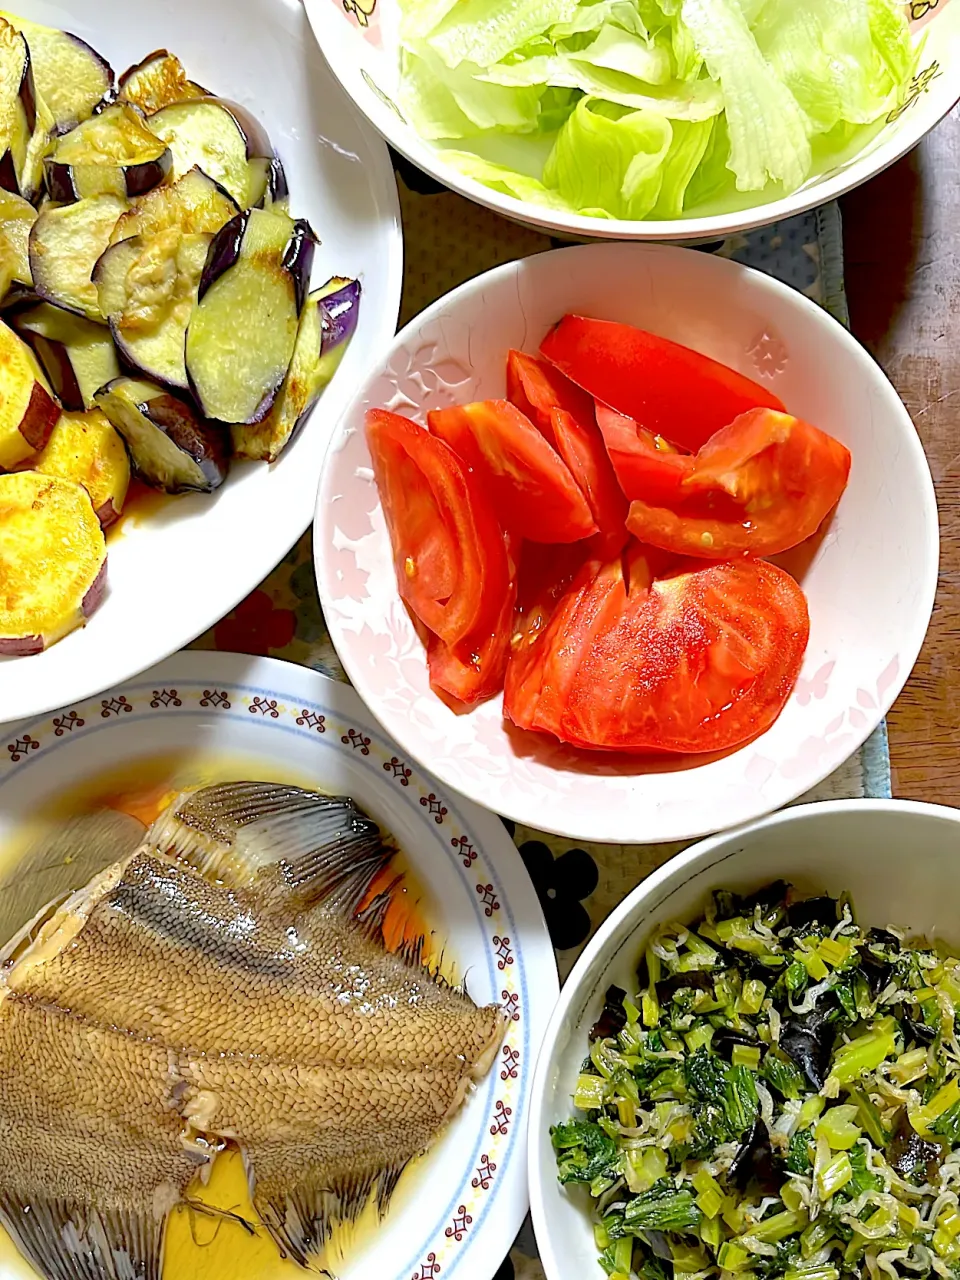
(360, 41)
(870, 575)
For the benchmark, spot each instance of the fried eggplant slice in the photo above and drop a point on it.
(85, 448)
(27, 124)
(112, 153)
(327, 324)
(241, 336)
(27, 409)
(147, 288)
(170, 446)
(71, 77)
(219, 137)
(268, 184)
(53, 561)
(65, 243)
(193, 205)
(157, 82)
(16, 106)
(17, 216)
(77, 355)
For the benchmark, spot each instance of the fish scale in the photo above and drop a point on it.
(165, 1007)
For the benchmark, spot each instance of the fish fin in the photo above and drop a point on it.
(69, 1241)
(244, 833)
(301, 1220)
(371, 919)
(64, 858)
(410, 951)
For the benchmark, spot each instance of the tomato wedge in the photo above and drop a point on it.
(537, 388)
(448, 547)
(646, 466)
(636, 658)
(581, 447)
(533, 491)
(668, 389)
(760, 486)
(473, 670)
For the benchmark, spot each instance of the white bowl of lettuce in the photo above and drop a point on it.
(647, 119)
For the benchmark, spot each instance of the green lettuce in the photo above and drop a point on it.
(650, 108)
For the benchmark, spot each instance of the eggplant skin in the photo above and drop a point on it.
(224, 251)
(207, 445)
(170, 447)
(136, 179)
(298, 259)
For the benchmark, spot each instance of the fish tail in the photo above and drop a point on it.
(66, 1240)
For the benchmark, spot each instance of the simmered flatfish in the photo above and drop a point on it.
(226, 981)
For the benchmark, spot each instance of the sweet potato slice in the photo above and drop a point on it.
(27, 409)
(85, 448)
(53, 561)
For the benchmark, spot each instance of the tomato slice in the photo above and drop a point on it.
(646, 466)
(668, 389)
(581, 447)
(533, 491)
(472, 671)
(760, 486)
(537, 388)
(700, 658)
(448, 548)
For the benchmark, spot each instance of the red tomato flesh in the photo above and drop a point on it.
(537, 388)
(668, 389)
(639, 658)
(760, 486)
(647, 466)
(532, 489)
(581, 447)
(448, 549)
(473, 670)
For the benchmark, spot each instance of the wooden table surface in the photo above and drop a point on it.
(902, 247)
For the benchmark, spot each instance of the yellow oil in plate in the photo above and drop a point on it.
(215, 1233)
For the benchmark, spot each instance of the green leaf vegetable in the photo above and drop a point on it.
(782, 1101)
(640, 109)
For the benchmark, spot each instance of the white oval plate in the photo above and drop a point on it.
(176, 571)
(361, 42)
(459, 1210)
(870, 580)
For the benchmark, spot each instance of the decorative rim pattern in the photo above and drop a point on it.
(493, 1168)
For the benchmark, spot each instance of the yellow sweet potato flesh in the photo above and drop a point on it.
(85, 448)
(27, 409)
(52, 557)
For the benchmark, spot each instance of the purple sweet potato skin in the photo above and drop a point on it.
(95, 592)
(21, 646)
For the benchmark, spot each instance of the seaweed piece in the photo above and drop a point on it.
(921, 1033)
(724, 1038)
(808, 1039)
(614, 1016)
(659, 1244)
(809, 912)
(912, 1156)
(753, 1163)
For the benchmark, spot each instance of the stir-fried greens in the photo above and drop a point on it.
(649, 108)
(780, 1099)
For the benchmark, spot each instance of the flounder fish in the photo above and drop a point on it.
(227, 980)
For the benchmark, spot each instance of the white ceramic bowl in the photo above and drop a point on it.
(177, 570)
(870, 580)
(900, 862)
(360, 41)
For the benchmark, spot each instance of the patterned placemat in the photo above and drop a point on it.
(449, 240)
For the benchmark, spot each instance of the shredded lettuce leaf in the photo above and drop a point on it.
(650, 108)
